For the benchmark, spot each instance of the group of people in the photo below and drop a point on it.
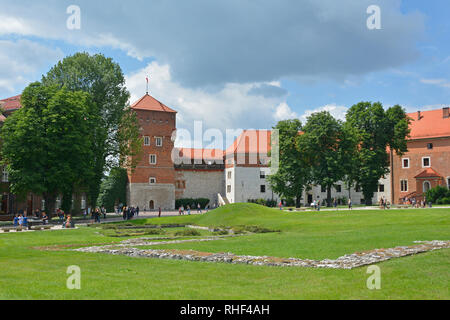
(129, 212)
(384, 204)
(20, 221)
(415, 203)
(182, 210)
(66, 220)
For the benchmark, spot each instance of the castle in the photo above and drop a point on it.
(239, 172)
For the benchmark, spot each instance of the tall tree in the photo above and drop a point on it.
(377, 131)
(292, 176)
(322, 146)
(47, 144)
(104, 81)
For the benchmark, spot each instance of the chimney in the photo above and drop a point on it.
(419, 116)
(446, 112)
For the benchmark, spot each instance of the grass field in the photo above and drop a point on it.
(28, 273)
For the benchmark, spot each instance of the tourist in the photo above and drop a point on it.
(25, 222)
(335, 203)
(97, 215)
(104, 212)
(37, 214)
(281, 205)
(179, 211)
(350, 205)
(137, 211)
(20, 220)
(159, 214)
(182, 210)
(189, 210)
(199, 209)
(44, 218)
(318, 204)
(124, 212)
(16, 220)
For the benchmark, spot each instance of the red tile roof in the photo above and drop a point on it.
(206, 154)
(428, 173)
(432, 124)
(12, 103)
(147, 102)
(251, 141)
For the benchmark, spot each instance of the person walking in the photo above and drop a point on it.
(335, 203)
(189, 210)
(124, 213)
(159, 214)
(199, 209)
(16, 221)
(137, 211)
(350, 205)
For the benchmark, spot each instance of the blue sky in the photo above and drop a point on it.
(237, 64)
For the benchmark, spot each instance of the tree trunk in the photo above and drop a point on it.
(329, 205)
(50, 200)
(297, 201)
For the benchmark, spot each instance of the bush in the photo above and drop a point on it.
(437, 193)
(444, 201)
(188, 233)
(262, 202)
(192, 203)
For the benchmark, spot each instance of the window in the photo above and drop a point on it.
(263, 189)
(405, 163)
(338, 188)
(381, 188)
(229, 174)
(153, 159)
(58, 202)
(323, 189)
(448, 182)
(152, 180)
(146, 141)
(426, 162)
(229, 189)
(262, 174)
(158, 141)
(42, 205)
(404, 185)
(426, 186)
(429, 146)
(5, 174)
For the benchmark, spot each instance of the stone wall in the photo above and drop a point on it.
(141, 194)
(200, 184)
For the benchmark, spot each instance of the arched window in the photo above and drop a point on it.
(152, 205)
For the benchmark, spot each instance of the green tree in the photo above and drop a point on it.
(322, 146)
(47, 144)
(104, 81)
(292, 176)
(378, 131)
(113, 189)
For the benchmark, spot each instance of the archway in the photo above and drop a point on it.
(152, 205)
(426, 186)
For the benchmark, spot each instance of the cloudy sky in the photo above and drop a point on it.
(243, 63)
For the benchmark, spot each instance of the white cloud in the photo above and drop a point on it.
(336, 111)
(207, 43)
(232, 107)
(284, 112)
(437, 82)
(21, 61)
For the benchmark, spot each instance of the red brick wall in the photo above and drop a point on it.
(156, 124)
(440, 162)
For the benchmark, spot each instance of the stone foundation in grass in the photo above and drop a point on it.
(351, 261)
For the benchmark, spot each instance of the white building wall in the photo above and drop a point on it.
(247, 185)
(230, 185)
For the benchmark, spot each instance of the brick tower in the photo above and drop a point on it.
(152, 184)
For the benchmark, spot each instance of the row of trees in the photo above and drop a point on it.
(74, 125)
(326, 150)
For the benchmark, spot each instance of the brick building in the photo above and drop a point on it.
(427, 163)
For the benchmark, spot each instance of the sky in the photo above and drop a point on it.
(242, 64)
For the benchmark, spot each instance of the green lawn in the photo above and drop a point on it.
(27, 273)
